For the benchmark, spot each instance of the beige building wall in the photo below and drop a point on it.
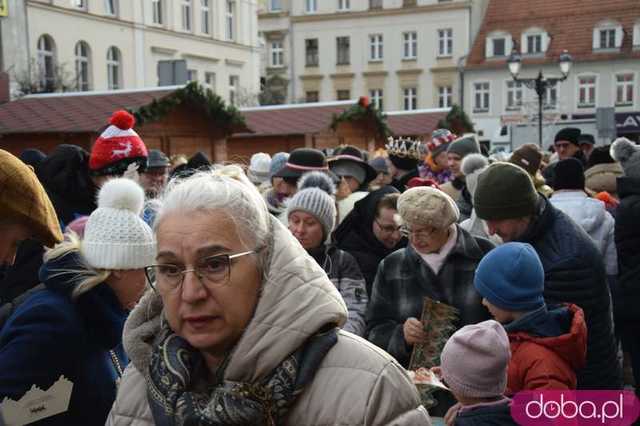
(143, 43)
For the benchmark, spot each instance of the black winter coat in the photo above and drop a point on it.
(574, 273)
(401, 184)
(488, 415)
(627, 237)
(355, 235)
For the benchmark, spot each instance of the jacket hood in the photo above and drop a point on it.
(297, 301)
(561, 329)
(602, 177)
(66, 171)
(99, 306)
(587, 212)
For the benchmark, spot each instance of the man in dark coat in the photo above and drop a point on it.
(369, 233)
(567, 145)
(627, 237)
(573, 267)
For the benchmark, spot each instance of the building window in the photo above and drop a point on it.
(343, 95)
(410, 45)
(534, 44)
(186, 15)
(608, 38)
(375, 4)
(156, 7)
(445, 42)
(234, 83)
(376, 96)
(277, 54)
(550, 98)
(514, 95)
(312, 96)
(481, 97)
(636, 35)
(444, 96)
(114, 69)
(47, 62)
(230, 15)
(375, 47)
(311, 52)
(275, 5)
(311, 6)
(344, 5)
(344, 55)
(205, 18)
(410, 98)
(624, 89)
(111, 7)
(210, 80)
(82, 66)
(499, 47)
(607, 35)
(586, 92)
(80, 4)
(192, 75)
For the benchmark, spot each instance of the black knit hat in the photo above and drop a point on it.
(504, 191)
(600, 155)
(303, 160)
(569, 174)
(569, 134)
(586, 138)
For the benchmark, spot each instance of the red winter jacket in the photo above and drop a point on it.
(548, 362)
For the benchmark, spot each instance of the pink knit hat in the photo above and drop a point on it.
(474, 360)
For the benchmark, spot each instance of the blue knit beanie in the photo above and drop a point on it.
(511, 277)
(278, 161)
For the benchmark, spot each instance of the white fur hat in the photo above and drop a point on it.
(628, 154)
(115, 236)
(472, 166)
(259, 168)
(427, 206)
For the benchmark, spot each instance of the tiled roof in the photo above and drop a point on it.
(71, 113)
(569, 23)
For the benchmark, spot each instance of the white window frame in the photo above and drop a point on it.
(111, 7)
(515, 91)
(339, 59)
(626, 102)
(230, 20)
(410, 98)
(534, 32)
(210, 80)
(610, 27)
(234, 86)
(485, 97)
(489, 44)
(377, 98)
(276, 53)
(307, 55)
(205, 16)
(344, 5)
(275, 5)
(114, 69)
(546, 105)
(579, 88)
(445, 42)
(47, 60)
(186, 12)
(310, 6)
(636, 35)
(376, 47)
(445, 96)
(82, 66)
(157, 14)
(410, 45)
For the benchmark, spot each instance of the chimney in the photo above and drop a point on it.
(5, 91)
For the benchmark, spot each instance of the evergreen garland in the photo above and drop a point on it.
(226, 117)
(457, 121)
(361, 111)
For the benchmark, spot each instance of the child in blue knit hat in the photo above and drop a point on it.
(548, 344)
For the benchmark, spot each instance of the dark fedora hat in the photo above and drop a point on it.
(303, 160)
(350, 161)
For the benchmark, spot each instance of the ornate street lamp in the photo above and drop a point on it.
(541, 83)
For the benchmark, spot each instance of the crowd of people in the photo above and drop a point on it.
(291, 290)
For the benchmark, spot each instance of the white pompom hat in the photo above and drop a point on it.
(115, 236)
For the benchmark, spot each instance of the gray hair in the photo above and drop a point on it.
(224, 188)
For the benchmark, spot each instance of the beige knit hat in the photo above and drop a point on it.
(427, 206)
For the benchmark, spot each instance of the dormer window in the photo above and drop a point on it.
(534, 41)
(498, 45)
(636, 35)
(607, 35)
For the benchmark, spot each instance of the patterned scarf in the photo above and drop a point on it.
(177, 396)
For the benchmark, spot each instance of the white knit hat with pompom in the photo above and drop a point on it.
(115, 236)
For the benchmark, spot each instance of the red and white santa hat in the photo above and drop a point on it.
(117, 147)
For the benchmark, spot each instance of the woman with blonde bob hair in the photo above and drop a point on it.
(73, 327)
(242, 327)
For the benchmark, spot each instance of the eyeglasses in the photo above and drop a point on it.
(562, 145)
(213, 271)
(388, 229)
(420, 233)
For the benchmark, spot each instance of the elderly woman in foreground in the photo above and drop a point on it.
(242, 328)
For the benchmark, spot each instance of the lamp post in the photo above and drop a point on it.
(541, 83)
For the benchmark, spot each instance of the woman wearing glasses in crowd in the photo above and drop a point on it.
(73, 327)
(439, 262)
(242, 327)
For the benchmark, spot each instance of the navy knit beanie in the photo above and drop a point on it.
(511, 277)
(569, 175)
